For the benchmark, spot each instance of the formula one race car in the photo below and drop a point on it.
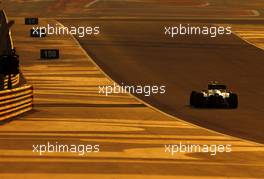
(217, 96)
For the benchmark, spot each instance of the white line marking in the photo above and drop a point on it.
(256, 13)
(91, 3)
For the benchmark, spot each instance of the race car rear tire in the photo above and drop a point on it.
(199, 100)
(233, 101)
(193, 98)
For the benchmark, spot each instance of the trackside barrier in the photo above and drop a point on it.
(14, 80)
(4, 81)
(15, 101)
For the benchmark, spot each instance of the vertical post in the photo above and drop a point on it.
(9, 82)
(2, 82)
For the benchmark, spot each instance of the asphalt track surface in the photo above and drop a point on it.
(210, 9)
(138, 53)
